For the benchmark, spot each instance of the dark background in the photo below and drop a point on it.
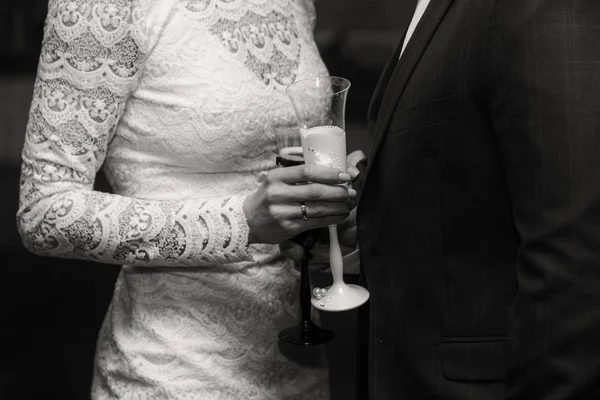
(51, 309)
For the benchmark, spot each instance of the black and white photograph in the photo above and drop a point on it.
(300, 199)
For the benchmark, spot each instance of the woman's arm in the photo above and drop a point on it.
(89, 65)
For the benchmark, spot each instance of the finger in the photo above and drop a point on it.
(353, 172)
(309, 173)
(349, 237)
(314, 192)
(294, 211)
(355, 157)
(348, 222)
(300, 225)
(318, 210)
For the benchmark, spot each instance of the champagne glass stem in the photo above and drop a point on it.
(305, 294)
(335, 257)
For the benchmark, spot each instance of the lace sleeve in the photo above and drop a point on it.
(90, 63)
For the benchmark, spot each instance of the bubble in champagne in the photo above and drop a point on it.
(326, 146)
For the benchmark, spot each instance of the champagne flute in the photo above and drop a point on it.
(289, 147)
(320, 105)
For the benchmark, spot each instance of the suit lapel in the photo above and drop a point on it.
(382, 84)
(393, 88)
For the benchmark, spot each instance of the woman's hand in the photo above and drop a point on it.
(347, 234)
(352, 161)
(357, 163)
(274, 211)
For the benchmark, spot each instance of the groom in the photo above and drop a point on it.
(479, 223)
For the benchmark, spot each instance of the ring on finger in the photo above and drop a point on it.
(303, 209)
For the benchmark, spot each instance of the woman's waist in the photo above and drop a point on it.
(269, 279)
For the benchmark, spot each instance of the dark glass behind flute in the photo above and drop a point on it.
(306, 332)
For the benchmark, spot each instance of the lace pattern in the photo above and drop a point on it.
(89, 65)
(263, 44)
(175, 100)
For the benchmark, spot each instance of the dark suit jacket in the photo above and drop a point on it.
(479, 224)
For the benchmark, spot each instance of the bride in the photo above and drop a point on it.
(174, 99)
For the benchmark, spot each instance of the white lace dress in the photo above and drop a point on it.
(175, 100)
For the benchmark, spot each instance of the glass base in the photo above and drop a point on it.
(305, 336)
(339, 297)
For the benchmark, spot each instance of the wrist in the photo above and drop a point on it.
(247, 209)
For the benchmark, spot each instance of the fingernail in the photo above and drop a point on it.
(354, 173)
(352, 193)
(344, 177)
